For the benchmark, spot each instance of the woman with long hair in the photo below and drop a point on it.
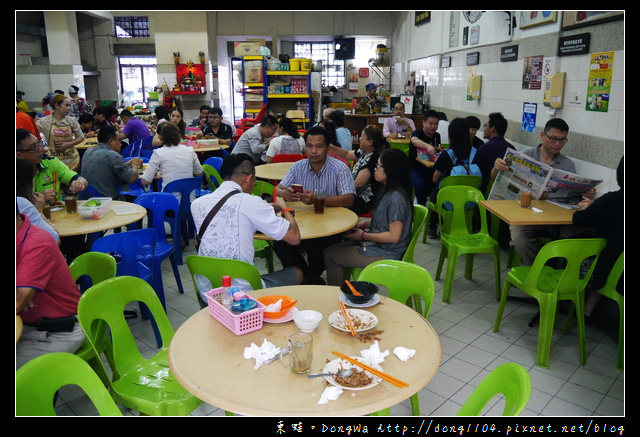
(288, 140)
(372, 142)
(391, 221)
(62, 132)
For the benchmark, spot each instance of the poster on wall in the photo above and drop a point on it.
(454, 28)
(532, 73)
(529, 112)
(573, 19)
(599, 83)
(536, 18)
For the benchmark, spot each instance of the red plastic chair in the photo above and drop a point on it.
(287, 157)
(246, 123)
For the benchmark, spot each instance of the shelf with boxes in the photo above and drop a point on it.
(254, 81)
(290, 90)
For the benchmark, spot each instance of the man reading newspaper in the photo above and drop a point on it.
(548, 174)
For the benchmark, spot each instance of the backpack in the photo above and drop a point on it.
(463, 166)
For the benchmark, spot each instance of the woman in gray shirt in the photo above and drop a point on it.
(391, 222)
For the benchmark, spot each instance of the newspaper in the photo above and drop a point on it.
(560, 187)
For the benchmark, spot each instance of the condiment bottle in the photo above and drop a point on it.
(227, 296)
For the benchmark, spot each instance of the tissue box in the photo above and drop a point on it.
(239, 324)
(96, 211)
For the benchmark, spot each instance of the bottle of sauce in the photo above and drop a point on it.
(227, 296)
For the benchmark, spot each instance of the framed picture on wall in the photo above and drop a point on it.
(573, 19)
(407, 100)
(536, 18)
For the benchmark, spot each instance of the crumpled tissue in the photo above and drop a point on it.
(373, 354)
(330, 394)
(403, 353)
(261, 354)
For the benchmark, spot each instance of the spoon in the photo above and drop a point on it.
(342, 373)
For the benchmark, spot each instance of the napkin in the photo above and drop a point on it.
(330, 393)
(403, 353)
(273, 307)
(261, 354)
(373, 354)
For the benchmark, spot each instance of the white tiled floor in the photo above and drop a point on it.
(470, 349)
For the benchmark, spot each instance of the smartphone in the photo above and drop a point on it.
(297, 188)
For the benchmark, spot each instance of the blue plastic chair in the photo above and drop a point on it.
(134, 252)
(158, 205)
(214, 161)
(185, 187)
(91, 191)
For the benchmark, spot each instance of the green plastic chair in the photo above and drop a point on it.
(263, 248)
(213, 178)
(609, 289)
(469, 180)
(38, 381)
(139, 383)
(88, 269)
(548, 285)
(456, 238)
(510, 380)
(215, 268)
(407, 283)
(418, 221)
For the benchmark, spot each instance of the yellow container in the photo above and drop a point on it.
(305, 64)
(294, 64)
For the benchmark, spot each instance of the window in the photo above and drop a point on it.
(131, 27)
(138, 77)
(332, 70)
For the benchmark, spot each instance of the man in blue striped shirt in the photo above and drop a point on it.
(320, 176)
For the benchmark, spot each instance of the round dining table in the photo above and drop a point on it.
(207, 359)
(274, 171)
(121, 214)
(87, 143)
(332, 221)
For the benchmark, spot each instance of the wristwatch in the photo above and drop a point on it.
(293, 213)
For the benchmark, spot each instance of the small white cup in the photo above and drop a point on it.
(307, 320)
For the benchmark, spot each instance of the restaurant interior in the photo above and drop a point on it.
(530, 66)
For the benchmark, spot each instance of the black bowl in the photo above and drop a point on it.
(367, 289)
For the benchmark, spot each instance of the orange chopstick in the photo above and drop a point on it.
(346, 317)
(352, 288)
(275, 194)
(389, 378)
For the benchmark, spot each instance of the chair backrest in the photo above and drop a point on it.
(185, 187)
(91, 268)
(263, 188)
(509, 379)
(157, 206)
(146, 143)
(90, 191)
(214, 161)
(288, 157)
(470, 180)
(611, 285)
(574, 251)
(419, 218)
(133, 251)
(295, 113)
(452, 207)
(404, 280)
(38, 380)
(106, 302)
(212, 175)
(215, 268)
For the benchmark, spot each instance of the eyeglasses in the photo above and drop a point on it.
(556, 139)
(37, 145)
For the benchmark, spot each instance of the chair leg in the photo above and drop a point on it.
(443, 255)
(503, 301)
(468, 265)
(176, 272)
(426, 226)
(497, 273)
(548, 307)
(581, 329)
(452, 261)
(415, 405)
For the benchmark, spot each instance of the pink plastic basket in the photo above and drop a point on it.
(237, 323)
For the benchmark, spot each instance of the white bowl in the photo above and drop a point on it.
(307, 320)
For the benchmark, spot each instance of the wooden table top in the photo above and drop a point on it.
(332, 221)
(87, 143)
(274, 171)
(426, 163)
(512, 213)
(73, 224)
(207, 359)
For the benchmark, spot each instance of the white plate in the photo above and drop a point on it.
(373, 301)
(369, 320)
(339, 363)
(286, 318)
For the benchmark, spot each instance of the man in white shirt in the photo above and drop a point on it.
(230, 233)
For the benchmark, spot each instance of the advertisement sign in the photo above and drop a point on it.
(599, 83)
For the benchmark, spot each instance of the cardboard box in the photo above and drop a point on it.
(253, 105)
(250, 47)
